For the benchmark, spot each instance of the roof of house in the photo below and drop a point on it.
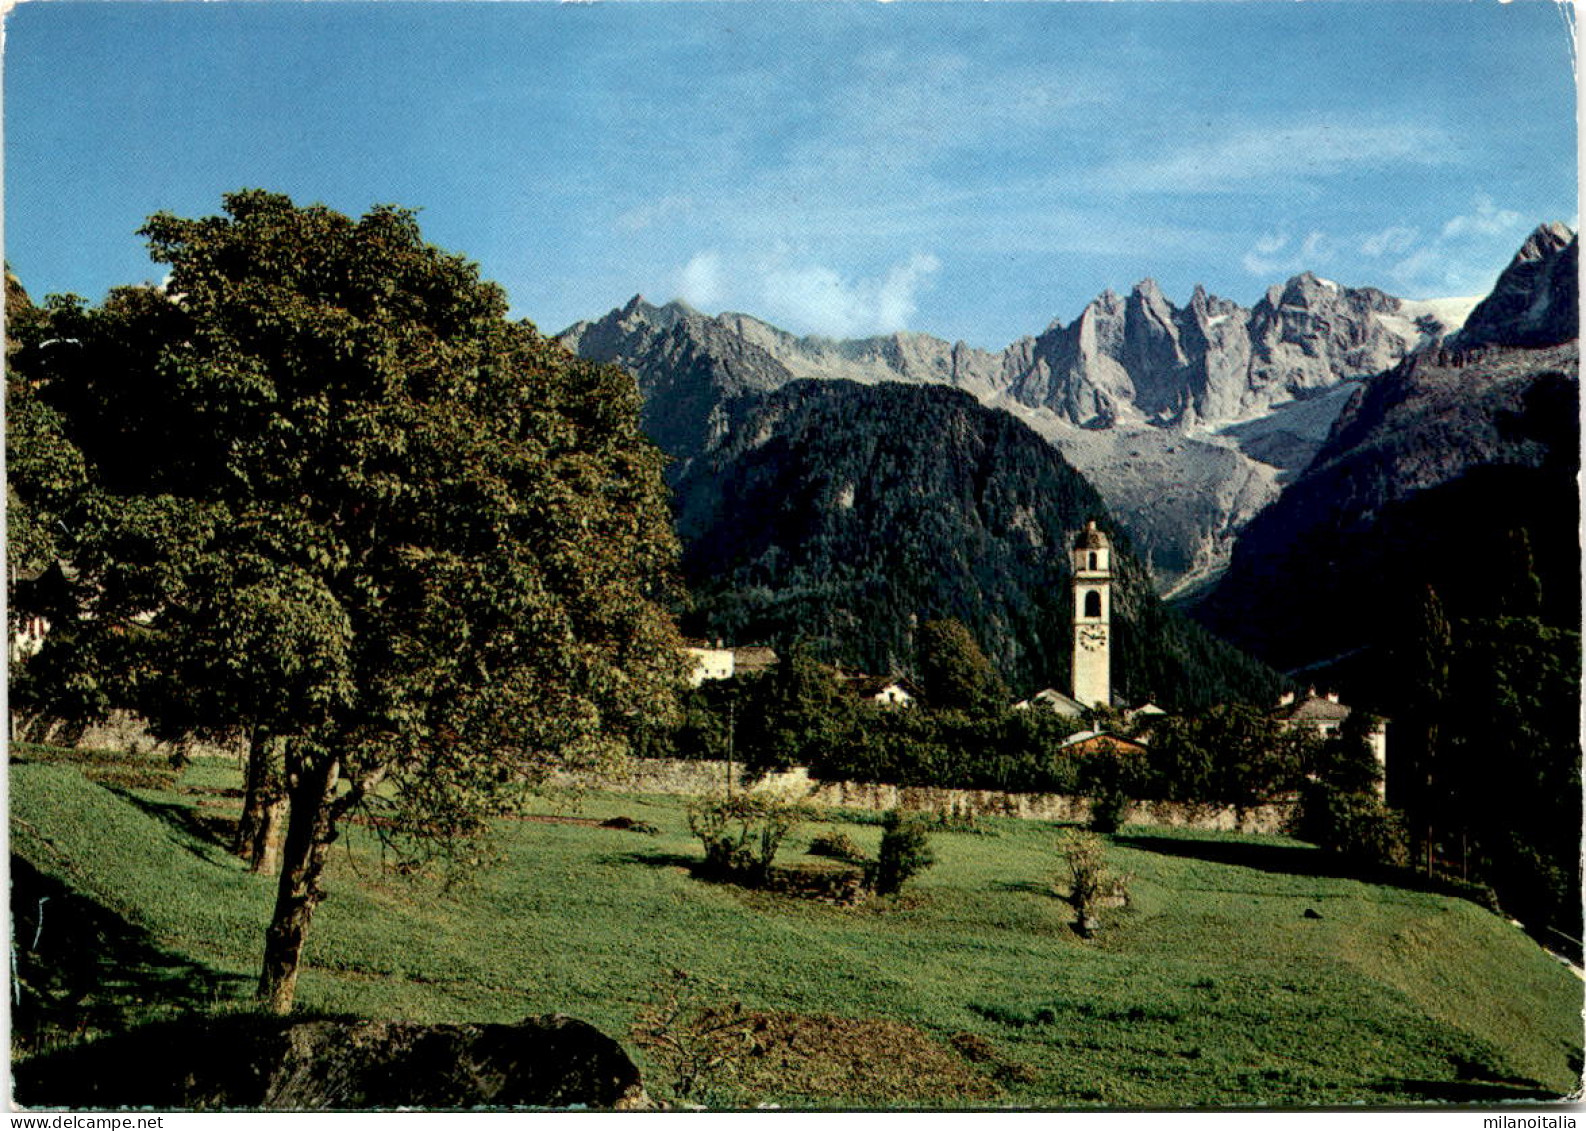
(1053, 700)
(754, 658)
(705, 645)
(869, 686)
(1080, 737)
(1313, 708)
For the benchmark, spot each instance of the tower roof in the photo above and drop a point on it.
(1091, 538)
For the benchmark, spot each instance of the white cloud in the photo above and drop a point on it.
(816, 296)
(805, 295)
(1278, 254)
(700, 282)
(1257, 159)
(1487, 220)
(656, 212)
(1389, 241)
(1465, 255)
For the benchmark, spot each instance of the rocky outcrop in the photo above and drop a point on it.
(1451, 469)
(247, 1061)
(1536, 301)
(1142, 358)
(692, 371)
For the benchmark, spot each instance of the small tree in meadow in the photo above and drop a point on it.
(905, 853)
(698, 1043)
(1086, 878)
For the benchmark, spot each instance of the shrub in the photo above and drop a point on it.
(1357, 826)
(696, 1043)
(905, 853)
(838, 845)
(742, 833)
(1090, 882)
(1109, 810)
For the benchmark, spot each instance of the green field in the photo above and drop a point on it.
(1213, 988)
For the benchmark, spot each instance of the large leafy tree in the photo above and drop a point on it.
(418, 544)
(954, 671)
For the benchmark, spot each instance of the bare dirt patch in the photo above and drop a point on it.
(863, 1061)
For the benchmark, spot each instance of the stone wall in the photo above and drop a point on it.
(121, 731)
(671, 776)
(678, 776)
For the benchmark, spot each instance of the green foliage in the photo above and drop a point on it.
(1230, 755)
(1506, 782)
(1356, 825)
(742, 832)
(1087, 881)
(954, 672)
(1345, 761)
(838, 845)
(793, 716)
(905, 852)
(1016, 751)
(1339, 808)
(1110, 781)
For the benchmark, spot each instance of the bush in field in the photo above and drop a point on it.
(1357, 826)
(742, 833)
(905, 853)
(698, 1043)
(837, 845)
(1089, 882)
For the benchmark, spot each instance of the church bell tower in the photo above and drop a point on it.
(1092, 617)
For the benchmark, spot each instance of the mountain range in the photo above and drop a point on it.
(1325, 439)
(1186, 419)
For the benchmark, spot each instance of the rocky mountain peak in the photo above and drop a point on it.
(1536, 301)
(1108, 302)
(1148, 289)
(1548, 239)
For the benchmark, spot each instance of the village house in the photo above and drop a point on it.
(887, 691)
(1325, 715)
(717, 661)
(1052, 700)
(1101, 742)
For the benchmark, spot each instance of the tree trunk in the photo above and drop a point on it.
(253, 793)
(263, 806)
(310, 830)
(265, 856)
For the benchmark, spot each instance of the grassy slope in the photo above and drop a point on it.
(1214, 988)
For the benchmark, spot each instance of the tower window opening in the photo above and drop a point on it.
(1093, 559)
(1093, 603)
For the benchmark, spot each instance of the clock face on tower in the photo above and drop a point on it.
(1092, 637)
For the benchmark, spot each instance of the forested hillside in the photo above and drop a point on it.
(1427, 564)
(847, 515)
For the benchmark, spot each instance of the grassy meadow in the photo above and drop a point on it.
(1214, 987)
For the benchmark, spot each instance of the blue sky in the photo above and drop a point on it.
(971, 170)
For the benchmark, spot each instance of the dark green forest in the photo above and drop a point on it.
(848, 515)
